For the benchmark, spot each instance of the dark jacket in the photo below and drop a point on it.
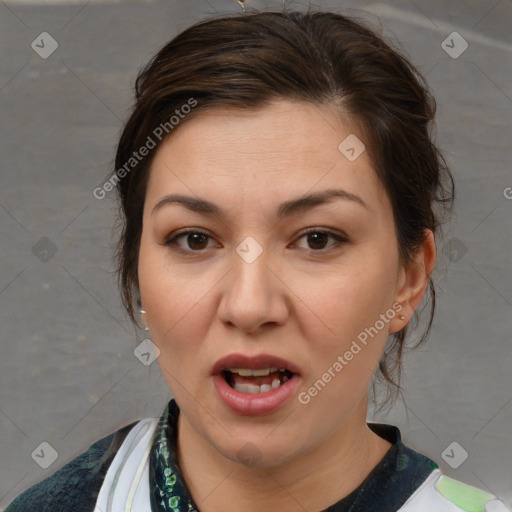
(75, 486)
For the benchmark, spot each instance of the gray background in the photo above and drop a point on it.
(68, 375)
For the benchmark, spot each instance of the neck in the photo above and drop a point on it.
(336, 467)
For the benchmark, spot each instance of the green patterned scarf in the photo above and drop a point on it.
(167, 487)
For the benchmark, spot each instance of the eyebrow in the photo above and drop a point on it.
(286, 209)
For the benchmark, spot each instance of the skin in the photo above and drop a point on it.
(301, 299)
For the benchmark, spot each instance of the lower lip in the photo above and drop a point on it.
(255, 404)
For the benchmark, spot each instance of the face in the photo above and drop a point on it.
(250, 284)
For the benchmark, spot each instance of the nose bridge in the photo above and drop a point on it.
(252, 296)
(250, 264)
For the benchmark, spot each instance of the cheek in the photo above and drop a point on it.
(167, 294)
(175, 303)
(345, 347)
(345, 300)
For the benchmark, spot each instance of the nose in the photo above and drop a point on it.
(254, 296)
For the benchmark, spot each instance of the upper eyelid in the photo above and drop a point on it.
(187, 231)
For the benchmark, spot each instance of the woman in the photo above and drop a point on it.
(280, 197)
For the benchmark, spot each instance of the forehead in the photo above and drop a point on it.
(286, 148)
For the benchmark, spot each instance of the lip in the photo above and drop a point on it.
(254, 404)
(253, 363)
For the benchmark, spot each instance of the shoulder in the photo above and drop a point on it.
(75, 486)
(415, 483)
(444, 494)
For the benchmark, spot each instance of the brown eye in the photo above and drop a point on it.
(318, 239)
(195, 240)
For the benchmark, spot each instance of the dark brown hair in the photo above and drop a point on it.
(247, 60)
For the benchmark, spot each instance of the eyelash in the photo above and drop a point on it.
(339, 238)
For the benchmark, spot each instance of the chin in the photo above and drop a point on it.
(257, 452)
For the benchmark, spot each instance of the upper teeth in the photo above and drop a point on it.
(246, 372)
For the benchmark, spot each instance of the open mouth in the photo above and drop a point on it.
(256, 381)
(257, 384)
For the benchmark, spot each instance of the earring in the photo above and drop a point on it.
(141, 311)
(402, 317)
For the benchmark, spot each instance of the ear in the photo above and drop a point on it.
(413, 281)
